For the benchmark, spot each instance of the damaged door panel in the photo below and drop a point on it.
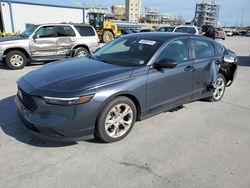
(43, 43)
(65, 40)
(210, 60)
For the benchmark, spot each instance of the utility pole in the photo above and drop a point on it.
(242, 17)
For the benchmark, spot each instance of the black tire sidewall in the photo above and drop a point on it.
(12, 53)
(79, 50)
(100, 131)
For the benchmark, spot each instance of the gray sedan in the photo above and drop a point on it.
(129, 79)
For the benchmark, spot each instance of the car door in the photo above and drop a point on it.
(65, 40)
(43, 43)
(171, 87)
(206, 64)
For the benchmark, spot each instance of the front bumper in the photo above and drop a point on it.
(58, 123)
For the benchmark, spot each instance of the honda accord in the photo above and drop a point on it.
(129, 79)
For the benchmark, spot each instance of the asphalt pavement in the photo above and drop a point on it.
(201, 145)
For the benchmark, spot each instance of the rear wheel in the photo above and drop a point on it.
(15, 60)
(81, 52)
(219, 88)
(116, 120)
(107, 36)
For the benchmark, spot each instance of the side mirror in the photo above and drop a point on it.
(35, 36)
(228, 59)
(166, 63)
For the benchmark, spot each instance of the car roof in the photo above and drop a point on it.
(162, 36)
(58, 24)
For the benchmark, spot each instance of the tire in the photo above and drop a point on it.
(223, 38)
(109, 127)
(81, 52)
(219, 90)
(107, 36)
(15, 60)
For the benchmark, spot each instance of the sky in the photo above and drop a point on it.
(232, 12)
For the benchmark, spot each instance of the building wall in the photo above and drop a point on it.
(133, 10)
(24, 14)
(206, 14)
(118, 11)
(98, 9)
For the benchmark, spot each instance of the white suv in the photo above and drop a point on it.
(181, 29)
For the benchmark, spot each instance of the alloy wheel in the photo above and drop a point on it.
(219, 88)
(17, 60)
(118, 121)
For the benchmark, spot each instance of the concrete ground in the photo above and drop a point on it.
(202, 145)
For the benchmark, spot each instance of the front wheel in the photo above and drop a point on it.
(219, 88)
(15, 60)
(116, 120)
(107, 36)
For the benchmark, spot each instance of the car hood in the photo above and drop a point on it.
(11, 38)
(73, 75)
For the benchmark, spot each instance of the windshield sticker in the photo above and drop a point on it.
(149, 42)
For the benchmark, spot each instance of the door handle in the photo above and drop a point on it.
(189, 69)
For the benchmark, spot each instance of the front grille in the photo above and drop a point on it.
(26, 100)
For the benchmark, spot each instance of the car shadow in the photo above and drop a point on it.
(244, 61)
(13, 127)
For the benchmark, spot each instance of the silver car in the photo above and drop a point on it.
(48, 42)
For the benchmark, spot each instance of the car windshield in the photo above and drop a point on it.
(28, 31)
(128, 51)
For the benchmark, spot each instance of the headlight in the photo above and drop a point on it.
(68, 101)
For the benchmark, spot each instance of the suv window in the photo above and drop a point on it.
(181, 30)
(176, 50)
(166, 29)
(46, 32)
(202, 48)
(85, 31)
(191, 30)
(65, 31)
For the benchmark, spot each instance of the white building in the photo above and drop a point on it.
(16, 16)
(133, 10)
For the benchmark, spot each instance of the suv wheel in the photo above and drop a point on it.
(116, 120)
(219, 89)
(81, 52)
(15, 60)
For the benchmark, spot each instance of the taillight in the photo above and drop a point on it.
(98, 42)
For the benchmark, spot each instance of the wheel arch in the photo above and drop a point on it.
(129, 95)
(24, 51)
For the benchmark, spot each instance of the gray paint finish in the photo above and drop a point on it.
(155, 89)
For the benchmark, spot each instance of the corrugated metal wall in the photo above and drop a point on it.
(37, 14)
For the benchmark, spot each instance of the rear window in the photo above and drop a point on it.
(182, 30)
(202, 48)
(190, 30)
(85, 31)
(166, 29)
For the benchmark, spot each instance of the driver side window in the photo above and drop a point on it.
(46, 32)
(176, 50)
